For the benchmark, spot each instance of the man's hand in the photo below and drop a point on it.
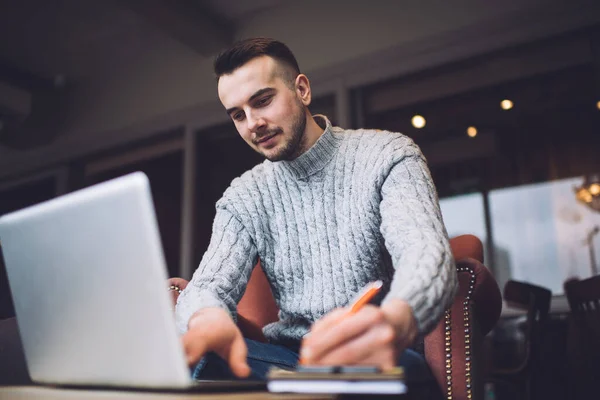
(212, 329)
(372, 336)
(179, 282)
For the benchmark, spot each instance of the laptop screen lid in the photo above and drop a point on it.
(88, 279)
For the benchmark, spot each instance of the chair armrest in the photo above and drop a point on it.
(452, 349)
(486, 298)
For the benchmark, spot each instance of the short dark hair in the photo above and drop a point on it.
(245, 50)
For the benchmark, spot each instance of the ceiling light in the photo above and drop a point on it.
(506, 104)
(472, 131)
(418, 121)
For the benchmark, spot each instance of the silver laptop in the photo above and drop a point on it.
(88, 280)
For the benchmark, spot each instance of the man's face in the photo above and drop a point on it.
(267, 112)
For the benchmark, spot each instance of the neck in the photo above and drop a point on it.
(312, 132)
(318, 155)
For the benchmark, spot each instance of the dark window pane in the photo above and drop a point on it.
(543, 235)
(325, 105)
(16, 197)
(165, 175)
(222, 155)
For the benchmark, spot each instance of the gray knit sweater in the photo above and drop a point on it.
(356, 207)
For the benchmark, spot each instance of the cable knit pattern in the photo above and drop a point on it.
(356, 207)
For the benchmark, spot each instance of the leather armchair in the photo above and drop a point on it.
(452, 350)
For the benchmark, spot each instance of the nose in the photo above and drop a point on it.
(255, 122)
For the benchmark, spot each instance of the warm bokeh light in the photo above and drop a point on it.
(506, 104)
(584, 196)
(598, 105)
(472, 131)
(589, 192)
(418, 121)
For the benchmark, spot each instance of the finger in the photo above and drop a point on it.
(319, 344)
(385, 361)
(322, 325)
(194, 347)
(375, 347)
(237, 358)
(330, 319)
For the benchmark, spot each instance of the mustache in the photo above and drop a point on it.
(266, 134)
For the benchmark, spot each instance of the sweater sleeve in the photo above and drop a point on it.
(416, 238)
(221, 278)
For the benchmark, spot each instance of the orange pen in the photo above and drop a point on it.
(365, 296)
(362, 298)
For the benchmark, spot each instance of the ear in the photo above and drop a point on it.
(302, 85)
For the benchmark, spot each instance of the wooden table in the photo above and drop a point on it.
(48, 393)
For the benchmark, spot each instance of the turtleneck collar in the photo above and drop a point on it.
(318, 156)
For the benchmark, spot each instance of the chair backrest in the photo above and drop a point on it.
(535, 300)
(583, 340)
(258, 305)
(467, 246)
(454, 349)
(584, 296)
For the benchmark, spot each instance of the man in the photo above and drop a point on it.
(327, 212)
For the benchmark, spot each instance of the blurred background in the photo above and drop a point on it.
(502, 97)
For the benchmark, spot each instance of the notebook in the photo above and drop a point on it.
(342, 380)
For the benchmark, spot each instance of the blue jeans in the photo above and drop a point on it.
(262, 356)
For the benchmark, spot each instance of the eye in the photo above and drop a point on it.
(263, 101)
(238, 116)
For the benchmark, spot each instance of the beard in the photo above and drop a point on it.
(294, 146)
